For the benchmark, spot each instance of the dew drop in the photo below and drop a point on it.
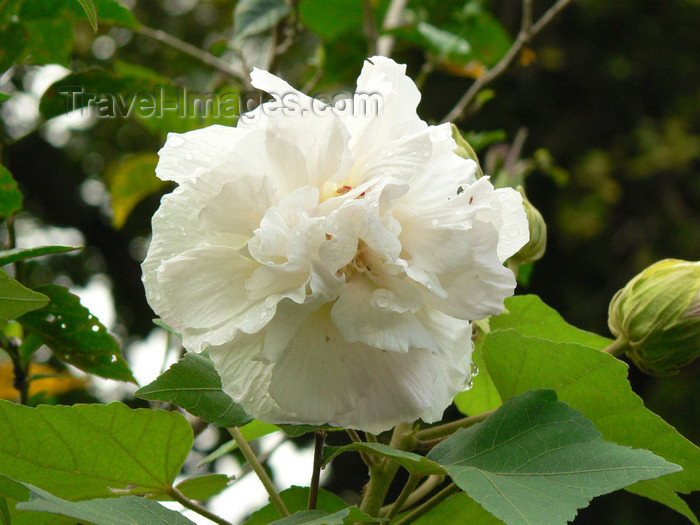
(188, 156)
(113, 359)
(382, 302)
(50, 318)
(475, 369)
(429, 286)
(270, 302)
(468, 385)
(63, 325)
(95, 328)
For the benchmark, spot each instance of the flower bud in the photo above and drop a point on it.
(465, 150)
(535, 247)
(656, 317)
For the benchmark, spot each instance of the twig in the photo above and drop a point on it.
(432, 502)
(426, 488)
(259, 470)
(440, 431)
(527, 33)
(193, 51)
(370, 27)
(392, 20)
(615, 348)
(196, 507)
(369, 460)
(319, 439)
(411, 483)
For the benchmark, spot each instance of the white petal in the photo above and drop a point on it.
(513, 230)
(204, 286)
(380, 317)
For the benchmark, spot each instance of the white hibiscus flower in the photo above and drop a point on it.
(331, 263)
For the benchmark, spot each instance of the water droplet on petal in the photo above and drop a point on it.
(475, 369)
(188, 156)
(95, 328)
(429, 286)
(468, 385)
(382, 302)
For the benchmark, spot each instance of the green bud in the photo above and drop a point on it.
(656, 317)
(465, 151)
(536, 246)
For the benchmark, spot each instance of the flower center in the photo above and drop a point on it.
(365, 261)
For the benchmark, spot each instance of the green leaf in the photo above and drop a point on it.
(114, 13)
(530, 316)
(91, 13)
(465, 150)
(330, 19)
(87, 451)
(10, 196)
(296, 499)
(130, 180)
(251, 17)
(193, 384)
(414, 463)
(17, 300)
(126, 510)
(20, 254)
(14, 38)
(251, 431)
(483, 395)
(489, 40)
(319, 517)
(459, 508)
(51, 39)
(201, 488)
(596, 384)
(76, 336)
(162, 324)
(5, 96)
(536, 460)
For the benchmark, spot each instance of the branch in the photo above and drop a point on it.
(193, 51)
(259, 470)
(370, 27)
(527, 33)
(319, 439)
(393, 19)
(196, 507)
(440, 431)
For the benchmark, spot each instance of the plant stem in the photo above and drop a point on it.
(393, 19)
(369, 460)
(259, 470)
(319, 439)
(411, 483)
(615, 348)
(188, 49)
(196, 507)
(382, 473)
(528, 31)
(370, 27)
(446, 429)
(432, 502)
(426, 488)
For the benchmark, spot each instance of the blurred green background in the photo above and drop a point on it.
(602, 110)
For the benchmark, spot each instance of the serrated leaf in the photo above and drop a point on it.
(251, 431)
(251, 17)
(319, 517)
(596, 384)
(10, 196)
(193, 384)
(76, 336)
(126, 510)
(529, 315)
(537, 460)
(91, 13)
(21, 254)
(296, 499)
(201, 488)
(16, 300)
(129, 181)
(84, 451)
(483, 396)
(414, 463)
